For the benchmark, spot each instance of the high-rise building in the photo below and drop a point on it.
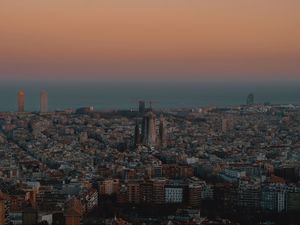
(249, 196)
(159, 191)
(133, 188)
(44, 102)
(195, 195)
(146, 192)
(141, 107)
(21, 101)
(250, 99)
(273, 198)
(149, 129)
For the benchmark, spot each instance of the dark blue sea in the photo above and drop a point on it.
(108, 95)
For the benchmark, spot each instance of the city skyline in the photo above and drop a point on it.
(164, 95)
(129, 167)
(96, 40)
(149, 112)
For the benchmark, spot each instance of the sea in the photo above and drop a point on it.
(124, 95)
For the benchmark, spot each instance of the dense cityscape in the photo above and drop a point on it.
(208, 165)
(149, 112)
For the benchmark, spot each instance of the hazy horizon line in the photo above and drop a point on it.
(163, 80)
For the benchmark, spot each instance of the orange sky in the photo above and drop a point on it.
(94, 39)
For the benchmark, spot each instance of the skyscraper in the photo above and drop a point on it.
(149, 129)
(44, 102)
(250, 99)
(141, 107)
(21, 101)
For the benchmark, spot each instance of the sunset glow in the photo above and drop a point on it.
(115, 39)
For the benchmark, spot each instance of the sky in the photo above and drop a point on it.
(149, 39)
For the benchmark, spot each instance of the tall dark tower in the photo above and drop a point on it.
(44, 102)
(21, 101)
(141, 107)
(250, 99)
(162, 135)
(137, 134)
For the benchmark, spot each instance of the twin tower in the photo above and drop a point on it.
(43, 101)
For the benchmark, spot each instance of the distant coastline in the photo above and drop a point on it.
(117, 95)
